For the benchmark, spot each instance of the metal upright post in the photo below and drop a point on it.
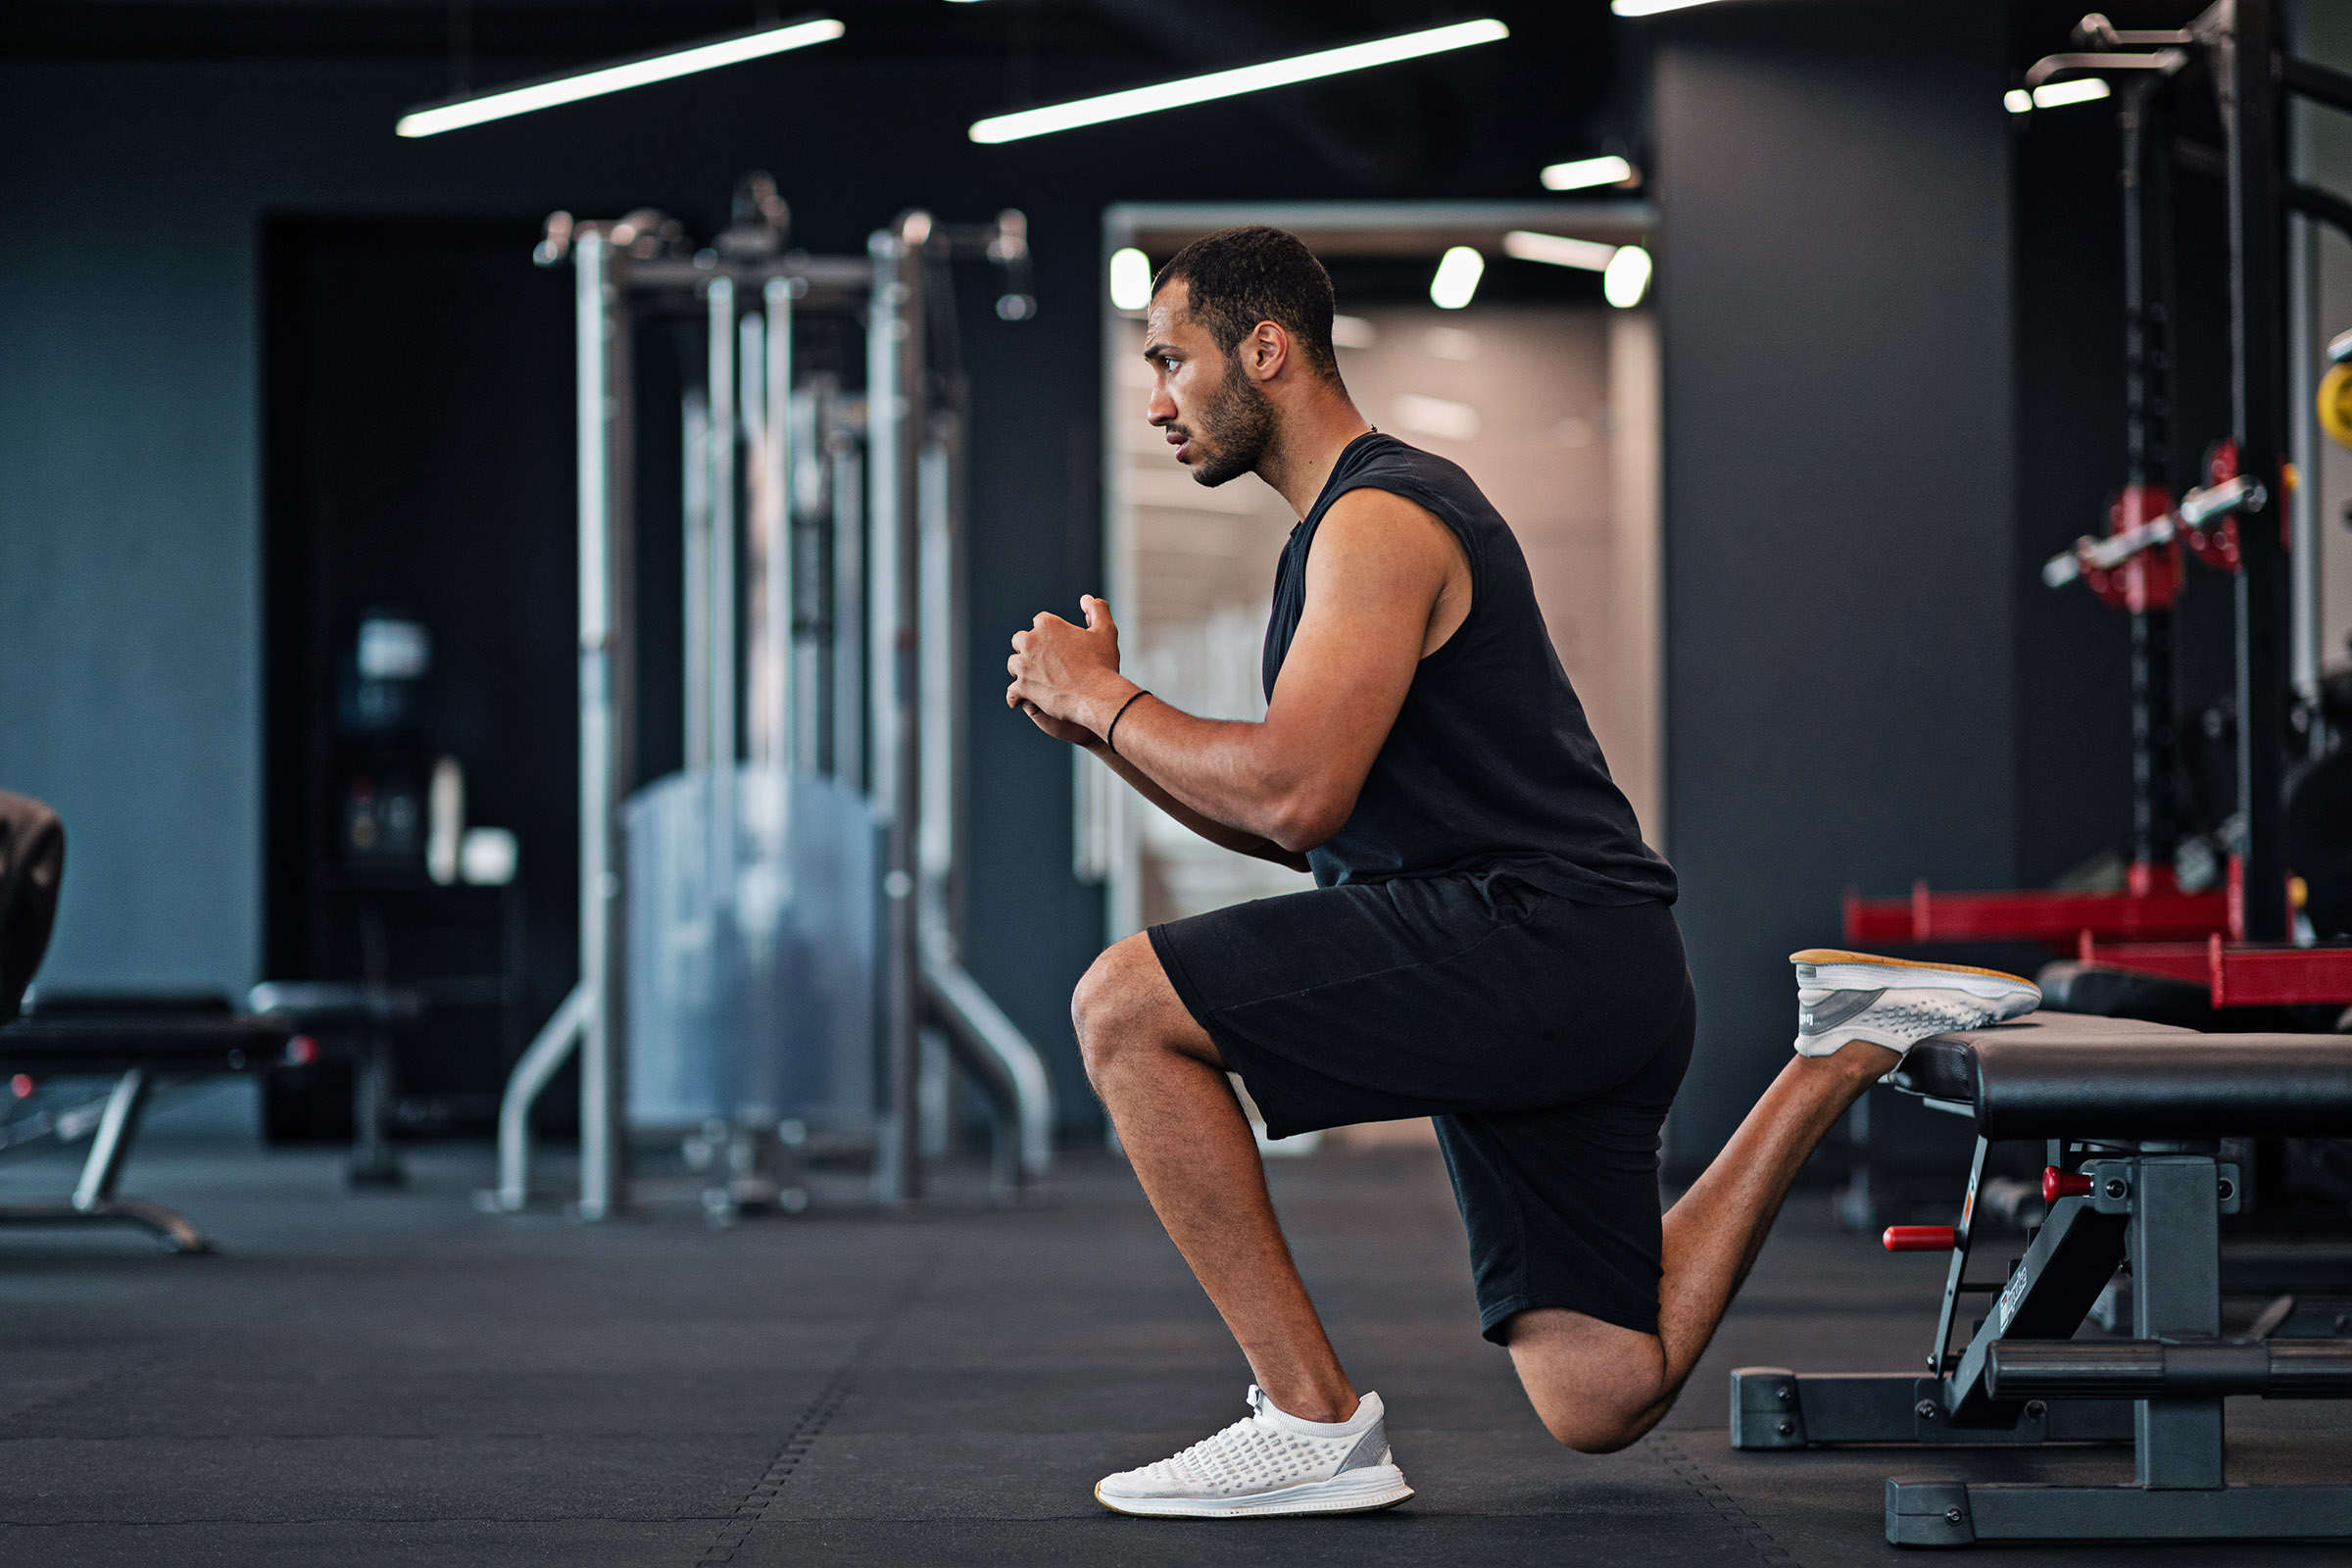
(694, 412)
(605, 568)
(2250, 101)
(2176, 1293)
(894, 401)
(2154, 578)
(777, 588)
(723, 657)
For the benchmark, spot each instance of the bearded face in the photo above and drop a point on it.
(1228, 433)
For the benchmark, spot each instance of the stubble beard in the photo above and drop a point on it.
(1233, 429)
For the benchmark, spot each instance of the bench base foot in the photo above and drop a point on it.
(173, 1230)
(1773, 1408)
(1937, 1512)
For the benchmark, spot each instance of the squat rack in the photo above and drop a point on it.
(912, 719)
(2253, 78)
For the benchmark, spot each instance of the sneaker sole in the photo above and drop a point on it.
(1835, 970)
(1367, 1491)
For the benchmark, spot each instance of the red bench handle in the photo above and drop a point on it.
(2057, 1184)
(1920, 1239)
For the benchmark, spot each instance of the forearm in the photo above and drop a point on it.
(1222, 834)
(1227, 772)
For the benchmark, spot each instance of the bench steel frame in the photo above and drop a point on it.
(2147, 1206)
(141, 1051)
(94, 1202)
(2021, 1380)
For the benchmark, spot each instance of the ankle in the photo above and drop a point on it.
(1323, 1406)
(1859, 1060)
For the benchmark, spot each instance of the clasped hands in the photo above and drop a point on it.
(1066, 677)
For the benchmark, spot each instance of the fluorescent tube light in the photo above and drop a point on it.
(2017, 101)
(2058, 94)
(1650, 7)
(576, 85)
(1228, 83)
(1130, 279)
(1557, 250)
(1624, 268)
(1586, 172)
(1456, 281)
(1627, 278)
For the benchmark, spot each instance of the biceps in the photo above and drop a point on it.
(1342, 685)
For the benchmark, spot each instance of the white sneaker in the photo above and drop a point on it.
(1844, 996)
(1268, 1463)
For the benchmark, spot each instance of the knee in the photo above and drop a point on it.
(1597, 1387)
(1597, 1428)
(1103, 1009)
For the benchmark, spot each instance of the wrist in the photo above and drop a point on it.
(1103, 707)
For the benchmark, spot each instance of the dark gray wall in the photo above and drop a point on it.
(1834, 287)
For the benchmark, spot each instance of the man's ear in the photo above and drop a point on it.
(1268, 350)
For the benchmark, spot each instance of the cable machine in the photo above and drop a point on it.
(823, 696)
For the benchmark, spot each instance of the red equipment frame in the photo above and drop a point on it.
(2252, 975)
(2061, 919)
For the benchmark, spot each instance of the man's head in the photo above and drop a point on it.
(1238, 331)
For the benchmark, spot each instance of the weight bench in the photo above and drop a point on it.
(2134, 1114)
(140, 1042)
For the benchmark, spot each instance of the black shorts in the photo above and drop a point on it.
(1546, 1037)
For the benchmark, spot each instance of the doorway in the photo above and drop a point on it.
(1543, 391)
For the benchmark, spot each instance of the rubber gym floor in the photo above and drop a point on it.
(397, 1379)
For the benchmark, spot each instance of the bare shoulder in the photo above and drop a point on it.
(1380, 560)
(1368, 528)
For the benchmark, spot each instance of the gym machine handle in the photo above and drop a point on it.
(2057, 1184)
(1920, 1239)
(2168, 1369)
(2196, 509)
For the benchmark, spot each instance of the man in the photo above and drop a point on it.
(1489, 942)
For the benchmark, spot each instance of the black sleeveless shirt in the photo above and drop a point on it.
(1490, 764)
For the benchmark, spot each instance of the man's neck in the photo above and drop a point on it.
(1307, 442)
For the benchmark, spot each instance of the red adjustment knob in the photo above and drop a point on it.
(2057, 1184)
(1920, 1239)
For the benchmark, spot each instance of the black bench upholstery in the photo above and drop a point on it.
(106, 1043)
(2052, 1075)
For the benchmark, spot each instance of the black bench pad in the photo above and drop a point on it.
(2054, 1075)
(95, 1042)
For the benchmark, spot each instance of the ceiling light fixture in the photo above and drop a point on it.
(1456, 281)
(2055, 95)
(1586, 172)
(1650, 7)
(1229, 83)
(1558, 250)
(1627, 277)
(1624, 268)
(572, 86)
(1130, 279)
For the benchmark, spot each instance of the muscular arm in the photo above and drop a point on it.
(1387, 583)
(1217, 832)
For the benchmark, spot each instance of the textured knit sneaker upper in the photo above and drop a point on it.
(1263, 1452)
(1845, 997)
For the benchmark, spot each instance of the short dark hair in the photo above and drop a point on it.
(1238, 277)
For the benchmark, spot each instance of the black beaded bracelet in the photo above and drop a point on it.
(1111, 735)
